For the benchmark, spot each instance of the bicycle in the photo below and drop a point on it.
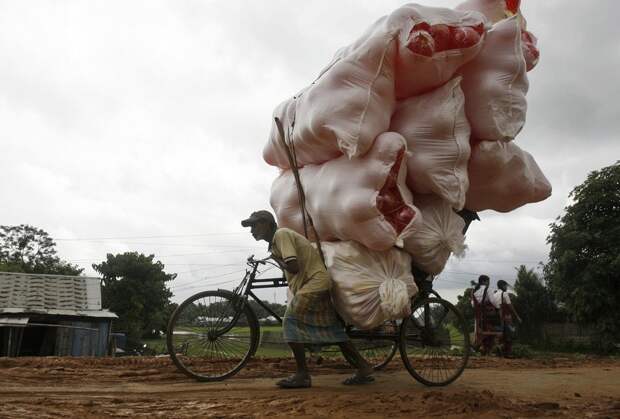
(213, 334)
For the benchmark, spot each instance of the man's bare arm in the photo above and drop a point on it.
(290, 265)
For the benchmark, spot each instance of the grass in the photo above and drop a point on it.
(272, 348)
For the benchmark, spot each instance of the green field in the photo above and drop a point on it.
(271, 344)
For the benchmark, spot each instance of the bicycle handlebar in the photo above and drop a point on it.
(258, 261)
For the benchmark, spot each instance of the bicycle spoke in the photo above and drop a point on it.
(433, 343)
(212, 346)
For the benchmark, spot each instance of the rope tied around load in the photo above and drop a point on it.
(289, 148)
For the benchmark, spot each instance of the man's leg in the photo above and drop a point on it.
(364, 369)
(300, 359)
(507, 341)
(487, 344)
(301, 378)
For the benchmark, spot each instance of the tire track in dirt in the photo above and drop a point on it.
(148, 387)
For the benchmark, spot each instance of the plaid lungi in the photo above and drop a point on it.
(295, 330)
(311, 318)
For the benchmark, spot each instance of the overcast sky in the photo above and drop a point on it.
(139, 125)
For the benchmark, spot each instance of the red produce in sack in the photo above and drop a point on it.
(403, 217)
(463, 37)
(422, 43)
(513, 5)
(413, 27)
(530, 51)
(441, 35)
(422, 26)
(348, 198)
(389, 200)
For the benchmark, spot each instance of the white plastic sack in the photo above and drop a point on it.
(344, 110)
(353, 99)
(504, 177)
(369, 287)
(493, 10)
(495, 84)
(439, 235)
(496, 10)
(437, 134)
(363, 199)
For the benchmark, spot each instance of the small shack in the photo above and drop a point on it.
(52, 315)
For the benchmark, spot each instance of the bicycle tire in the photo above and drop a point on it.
(206, 359)
(434, 342)
(378, 352)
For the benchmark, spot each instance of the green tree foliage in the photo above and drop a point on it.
(134, 287)
(464, 306)
(534, 303)
(28, 249)
(584, 260)
(225, 309)
(261, 313)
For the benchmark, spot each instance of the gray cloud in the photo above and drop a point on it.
(133, 119)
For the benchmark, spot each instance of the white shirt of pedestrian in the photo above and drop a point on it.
(498, 296)
(479, 294)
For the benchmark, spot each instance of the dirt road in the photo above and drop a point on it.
(151, 387)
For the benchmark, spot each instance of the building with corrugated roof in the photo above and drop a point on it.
(52, 315)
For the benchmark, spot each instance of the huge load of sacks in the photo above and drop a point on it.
(406, 126)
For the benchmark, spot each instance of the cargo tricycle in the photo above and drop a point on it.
(213, 334)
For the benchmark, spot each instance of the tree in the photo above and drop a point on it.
(28, 249)
(464, 306)
(534, 303)
(134, 287)
(584, 259)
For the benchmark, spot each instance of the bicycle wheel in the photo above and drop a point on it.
(212, 335)
(377, 346)
(434, 343)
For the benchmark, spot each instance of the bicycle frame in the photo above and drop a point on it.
(250, 282)
(244, 290)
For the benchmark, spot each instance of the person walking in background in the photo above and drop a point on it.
(501, 301)
(480, 291)
(480, 301)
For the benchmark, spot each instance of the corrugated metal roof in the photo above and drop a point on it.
(51, 294)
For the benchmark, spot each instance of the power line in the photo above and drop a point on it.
(189, 284)
(179, 244)
(465, 259)
(204, 286)
(177, 255)
(149, 237)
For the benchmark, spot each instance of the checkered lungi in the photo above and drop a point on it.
(311, 318)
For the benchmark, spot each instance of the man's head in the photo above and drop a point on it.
(262, 224)
(502, 285)
(484, 280)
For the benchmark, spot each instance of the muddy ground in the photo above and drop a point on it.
(571, 387)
